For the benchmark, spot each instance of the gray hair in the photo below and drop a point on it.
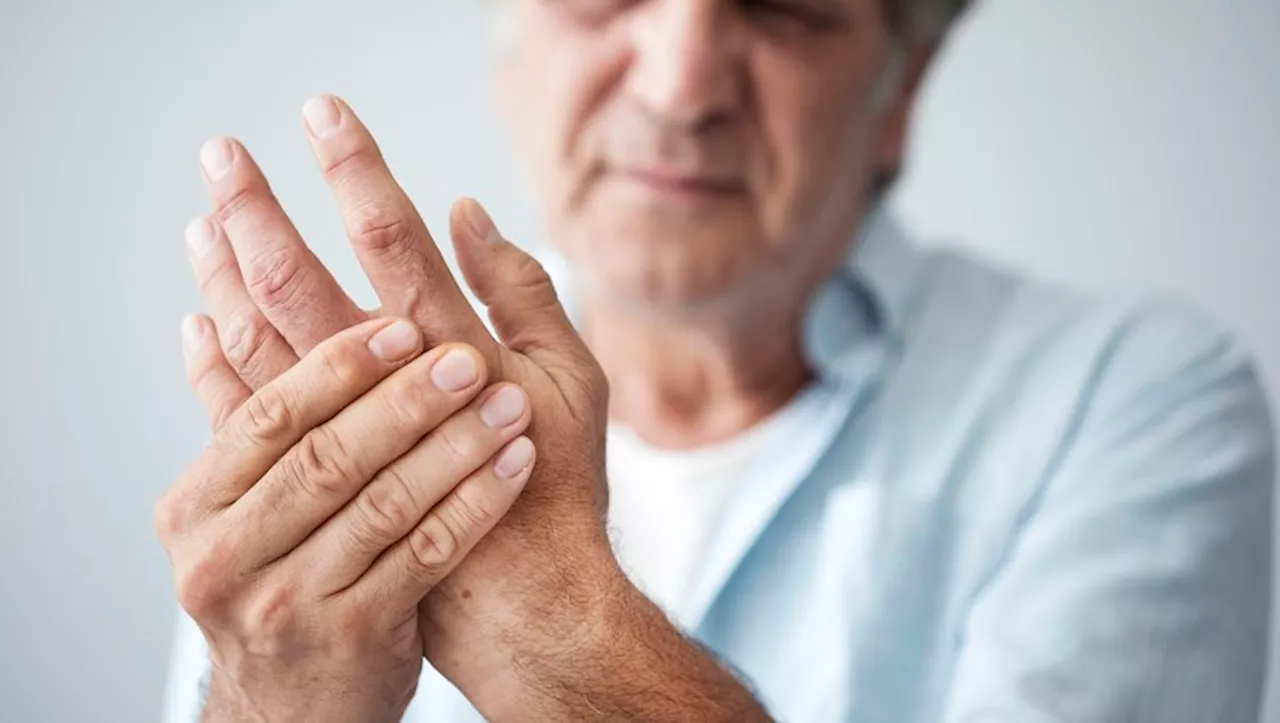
(911, 22)
(923, 21)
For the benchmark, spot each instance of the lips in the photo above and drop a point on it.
(669, 180)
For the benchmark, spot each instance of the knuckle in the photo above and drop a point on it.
(275, 279)
(268, 417)
(386, 508)
(349, 164)
(531, 276)
(410, 404)
(271, 616)
(342, 369)
(215, 271)
(383, 229)
(167, 519)
(197, 596)
(202, 582)
(245, 340)
(322, 465)
(239, 203)
(469, 511)
(198, 375)
(433, 546)
(458, 449)
(221, 406)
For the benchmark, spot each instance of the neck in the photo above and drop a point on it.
(700, 379)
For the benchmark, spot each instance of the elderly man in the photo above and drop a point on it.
(846, 479)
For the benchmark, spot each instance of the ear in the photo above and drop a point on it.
(895, 123)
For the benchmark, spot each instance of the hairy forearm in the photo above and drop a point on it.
(580, 643)
(636, 666)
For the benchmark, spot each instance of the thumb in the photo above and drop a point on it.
(522, 302)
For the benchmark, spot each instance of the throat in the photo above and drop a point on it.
(688, 385)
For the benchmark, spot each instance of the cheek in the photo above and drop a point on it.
(559, 88)
(817, 136)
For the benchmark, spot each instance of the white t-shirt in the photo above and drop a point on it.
(666, 506)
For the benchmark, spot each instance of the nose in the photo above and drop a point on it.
(686, 66)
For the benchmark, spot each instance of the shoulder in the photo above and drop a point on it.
(1025, 327)
(1103, 453)
(1000, 369)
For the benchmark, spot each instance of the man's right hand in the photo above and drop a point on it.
(328, 504)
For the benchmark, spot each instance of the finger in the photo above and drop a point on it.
(253, 347)
(408, 571)
(399, 496)
(335, 461)
(255, 436)
(521, 299)
(295, 292)
(390, 239)
(215, 383)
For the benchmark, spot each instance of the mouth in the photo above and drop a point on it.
(679, 184)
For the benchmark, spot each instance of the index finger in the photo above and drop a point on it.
(294, 290)
(390, 238)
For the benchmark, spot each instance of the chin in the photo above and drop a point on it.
(670, 271)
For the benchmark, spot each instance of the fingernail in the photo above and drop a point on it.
(200, 237)
(322, 115)
(396, 342)
(514, 459)
(192, 331)
(455, 371)
(481, 223)
(216, 157)
(503, 408)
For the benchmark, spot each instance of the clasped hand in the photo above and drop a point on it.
(359, 457)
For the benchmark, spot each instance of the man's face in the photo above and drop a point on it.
(691, 151)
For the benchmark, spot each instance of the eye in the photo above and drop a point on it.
(813, 15)
(591, 12)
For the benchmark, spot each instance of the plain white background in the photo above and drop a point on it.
(1107, 144)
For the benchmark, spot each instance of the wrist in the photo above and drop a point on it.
(227, 701)
(578, 640)
(587, 616)
(585, 644)
(623, 660)
(505, 644)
